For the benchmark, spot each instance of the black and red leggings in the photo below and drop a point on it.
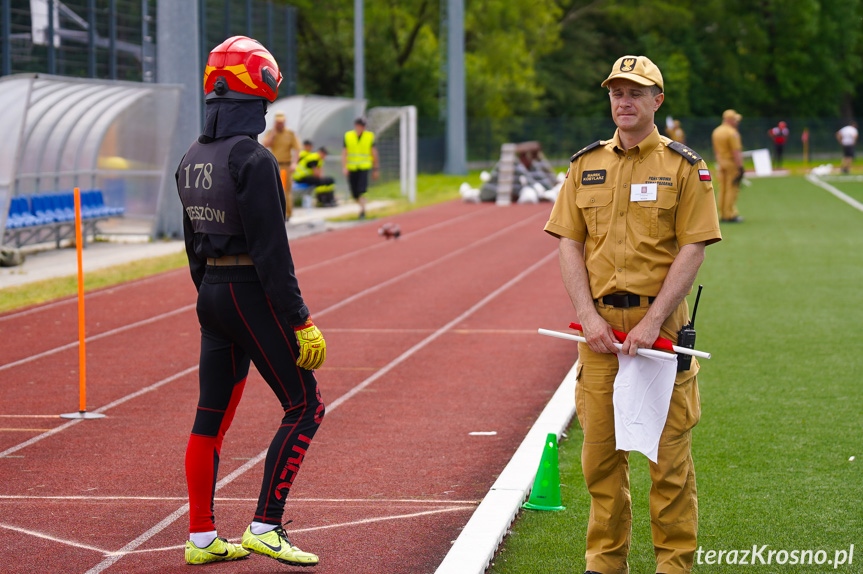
(238, 324)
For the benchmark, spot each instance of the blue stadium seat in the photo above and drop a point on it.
(20, 215)
(15, 213)
(42, 209)
(97, 202)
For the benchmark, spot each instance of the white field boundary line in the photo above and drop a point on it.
(74, 299)
(826, 186)
(333, 307)
(170, 519)
(475, 547)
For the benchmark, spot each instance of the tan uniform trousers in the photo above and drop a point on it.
(288, 184)
(673, 500)
(728, 191)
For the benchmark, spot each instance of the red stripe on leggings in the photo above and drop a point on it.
(249, 329)
(291, 406)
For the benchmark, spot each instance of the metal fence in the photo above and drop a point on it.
(561, 137)
(115, 39)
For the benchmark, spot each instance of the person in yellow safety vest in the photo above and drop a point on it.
(359, 156)
(307, 149)
(310, 171)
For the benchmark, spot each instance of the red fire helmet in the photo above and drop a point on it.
(241, 68)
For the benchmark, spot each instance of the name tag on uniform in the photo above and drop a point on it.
(642, 192)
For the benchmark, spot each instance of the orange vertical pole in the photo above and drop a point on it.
(284, 179)
(82, 352)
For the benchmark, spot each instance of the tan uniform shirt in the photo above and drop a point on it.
(630, 245)
(726, 140)
(283, 142)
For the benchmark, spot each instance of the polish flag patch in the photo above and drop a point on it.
(704, 175)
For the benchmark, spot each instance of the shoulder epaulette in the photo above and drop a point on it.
(691, 156)
(584, 150)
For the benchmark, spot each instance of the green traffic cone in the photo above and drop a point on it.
(545, 494)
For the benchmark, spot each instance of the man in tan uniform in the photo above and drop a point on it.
(633, 218)
(729, 155)
(286, 147)
(676, 132)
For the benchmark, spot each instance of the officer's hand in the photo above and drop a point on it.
(599, 335)
(313, 348)
(642, 336)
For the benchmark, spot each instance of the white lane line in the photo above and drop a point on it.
(97, 337)
(843, 196)
(52, 538)
(73, 299)
(111, 405)
(406, 237)
(365, 501)
(478, 541)
(115, 556)
(256, 459)
(313, 528)
(425, 266)
(343, 302)
(401, 358)
(330, 408)
(88, 296)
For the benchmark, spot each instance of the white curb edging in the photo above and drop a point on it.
(475, 547)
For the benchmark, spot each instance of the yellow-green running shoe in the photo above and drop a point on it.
(219, 550)
(275, 544)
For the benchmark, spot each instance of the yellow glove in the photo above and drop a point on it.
(313, 348)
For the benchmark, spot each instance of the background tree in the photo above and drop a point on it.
(793, 58)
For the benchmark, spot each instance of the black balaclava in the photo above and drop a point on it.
(225, 118)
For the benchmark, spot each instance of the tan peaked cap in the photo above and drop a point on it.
(638, 69)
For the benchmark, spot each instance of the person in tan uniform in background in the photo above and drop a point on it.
(676, 132)
(283, 143)
(633, 219)
(728, 150)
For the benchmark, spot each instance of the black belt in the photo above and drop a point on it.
(624, 300)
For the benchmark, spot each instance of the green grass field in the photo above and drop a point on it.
(782, 398)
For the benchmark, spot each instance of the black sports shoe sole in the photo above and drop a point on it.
(289, 563)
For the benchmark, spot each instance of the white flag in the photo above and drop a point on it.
(642, 395)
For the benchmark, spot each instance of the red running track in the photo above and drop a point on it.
(430, 337)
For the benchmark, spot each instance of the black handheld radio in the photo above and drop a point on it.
(686, 337)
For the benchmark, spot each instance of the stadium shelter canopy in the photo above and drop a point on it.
(324, 120)
(63, 132)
